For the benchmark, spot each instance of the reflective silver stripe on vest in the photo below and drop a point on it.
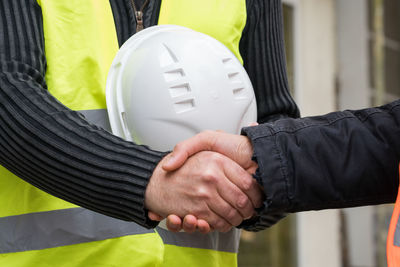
(396, 241)
(227, 242)
(57, 228)
(98, 117)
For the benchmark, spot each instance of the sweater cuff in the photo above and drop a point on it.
(147, 222)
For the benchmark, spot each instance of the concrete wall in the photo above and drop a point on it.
(355, 93)
(316, 57)
(318, 239)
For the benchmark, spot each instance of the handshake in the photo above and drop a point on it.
(205, 184)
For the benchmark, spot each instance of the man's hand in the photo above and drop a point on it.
(190, 224)
(236, 147)
(209, 186)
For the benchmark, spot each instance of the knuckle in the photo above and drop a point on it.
(220, 225)
(216, 157)
(243, 201)
(209, 177)
(200, 212)
(178, 146)
(203, 194)
(247, 184)
(233, 216)
(248, 213)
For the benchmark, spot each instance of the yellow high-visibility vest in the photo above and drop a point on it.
(37, 229)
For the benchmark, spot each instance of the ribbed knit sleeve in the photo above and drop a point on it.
(53, 147)
(263, 51)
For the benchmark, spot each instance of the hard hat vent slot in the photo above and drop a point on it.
(239, 93)
(233, 75)
(226, 60)
(167, 58)
(179, 90)
(173, 75)
(184, 106)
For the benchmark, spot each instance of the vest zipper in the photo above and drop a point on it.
(139, 15)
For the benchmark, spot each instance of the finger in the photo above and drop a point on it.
(253, 124)
(175, 160)
(215, 221)
(174, 223)
(223, 209)
(203, 226)
(155, 217)
(189, 223)
(236, 196)
(185, 149)
(247, 184)
(241, 205)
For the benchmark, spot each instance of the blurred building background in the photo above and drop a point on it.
(341, 54)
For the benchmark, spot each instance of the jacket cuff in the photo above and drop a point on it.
(262, 221)
(272, 171)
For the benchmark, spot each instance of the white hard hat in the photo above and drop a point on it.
(168, 83)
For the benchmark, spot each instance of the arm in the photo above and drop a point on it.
(57, 149)
(263, 52)
(53, 147)
(339, 160)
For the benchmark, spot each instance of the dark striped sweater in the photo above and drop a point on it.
(40, 140)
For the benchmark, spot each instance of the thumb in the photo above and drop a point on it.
(174, 160)
(154, 217)
(183, 150)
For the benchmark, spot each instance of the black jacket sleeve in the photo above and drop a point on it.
(53, 147)
(342, 159)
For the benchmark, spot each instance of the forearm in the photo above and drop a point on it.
(339, 160)
(54, 148)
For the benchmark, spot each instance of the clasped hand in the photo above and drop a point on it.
(207, 181)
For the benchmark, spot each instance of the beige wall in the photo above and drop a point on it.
(318, 232)
(316, 57)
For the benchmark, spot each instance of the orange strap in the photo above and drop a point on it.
(393, 240)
